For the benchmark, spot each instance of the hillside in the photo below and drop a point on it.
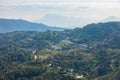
(9, 25)
(88, 53)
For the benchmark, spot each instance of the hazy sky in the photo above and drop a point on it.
(35, 9)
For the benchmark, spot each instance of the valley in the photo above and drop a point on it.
(88, 53)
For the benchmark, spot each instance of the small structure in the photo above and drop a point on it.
(54, 47)
(79, 76)
(34, 51)
(50, 65)
(83, 45)
(67, 38)
(35, 57)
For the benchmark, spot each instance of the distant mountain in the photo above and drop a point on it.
(110, 19)
(8, 25)
(63, 21)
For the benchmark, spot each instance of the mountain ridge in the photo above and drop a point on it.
(8, 25)
(71, 22)
(63, 21)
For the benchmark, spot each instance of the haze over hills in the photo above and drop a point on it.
(8, 25)
(111, 19)
(71, 22)
(59, 39)
(63, 21)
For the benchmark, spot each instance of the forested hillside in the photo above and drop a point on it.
(88, 53)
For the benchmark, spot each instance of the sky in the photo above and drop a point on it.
(35, 9)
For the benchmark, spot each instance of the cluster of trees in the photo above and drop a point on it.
(92, 51)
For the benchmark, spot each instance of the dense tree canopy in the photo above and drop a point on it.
(92, 51)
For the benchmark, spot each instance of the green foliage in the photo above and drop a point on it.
(92, 51)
